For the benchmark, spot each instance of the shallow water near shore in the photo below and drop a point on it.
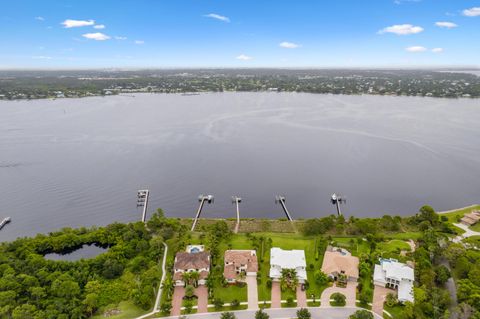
(75, 162)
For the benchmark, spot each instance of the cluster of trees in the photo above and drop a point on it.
(41, 84)
(34, 287)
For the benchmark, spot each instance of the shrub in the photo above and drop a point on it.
(303, 313)
(269, 283)
(260, 314)
(361, 314)
(227, 315)
(289, 301)
(235, 303)
(218, 303)
(338, 299)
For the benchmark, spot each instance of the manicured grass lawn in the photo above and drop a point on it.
(405, 236)
(289, 294)
(476, 227)
(395, 311)
(313, 304)
(128, 310)
(355, 248)
(474, 240)
(289, 305)
(230, 293)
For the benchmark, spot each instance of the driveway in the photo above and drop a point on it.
(252, 291)
(379, 296)
(323, 313)
(202, 294)
(301, 297)
(276, 295)
(178, 294)
(350, 293)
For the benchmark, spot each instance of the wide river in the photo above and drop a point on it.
(73, 162)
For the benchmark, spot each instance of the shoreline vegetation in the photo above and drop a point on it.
(123, 281)
(27, 85)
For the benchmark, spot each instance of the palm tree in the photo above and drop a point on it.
(289, 279)
(195, 276)
(186, 278)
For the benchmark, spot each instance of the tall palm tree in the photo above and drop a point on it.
(186, 277)
(194, 277)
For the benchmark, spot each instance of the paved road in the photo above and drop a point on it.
(252, 291)
(284, 313)
(160, 286)
(452, 290)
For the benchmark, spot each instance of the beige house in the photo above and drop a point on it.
(238, 262)
(195, 259)
(471, 218)
(338, 261)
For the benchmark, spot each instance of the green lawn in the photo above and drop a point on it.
(405, 236)
(241, 307)
(230, 293)
(128, 310)
(476, 227)
(351, 244)
(474, 240)
(395, 311)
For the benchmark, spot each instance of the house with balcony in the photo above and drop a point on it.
(395, 275)
(238, 264)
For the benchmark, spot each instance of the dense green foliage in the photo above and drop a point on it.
(34, 287)
(42, 84)
(361, 314)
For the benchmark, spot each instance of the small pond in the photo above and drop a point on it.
(85, 252)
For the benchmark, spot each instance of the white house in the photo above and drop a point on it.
(392, 274)
(287, 259)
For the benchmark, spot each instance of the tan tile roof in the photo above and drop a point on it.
(240, 257)
(335, 262)
(184, 260)
(229, 272)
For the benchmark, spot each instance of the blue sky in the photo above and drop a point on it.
(247, 33)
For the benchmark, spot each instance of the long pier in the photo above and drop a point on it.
(202, 199)
(281, 200)
(4, 222)
(142, 201)
(237, 200)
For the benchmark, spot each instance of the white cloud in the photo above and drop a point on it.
(98, 36)
(40, 18)
(289, 45)
(416, 49)
(401, 29)
(139, 42)
(244, 57)
(41, 57)
(120, 38)
(218, 17)
(445, 24)
(437, 50)
(99, 26)
(69, 23)
(472, 12)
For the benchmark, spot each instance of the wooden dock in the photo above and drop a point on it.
(5, 221)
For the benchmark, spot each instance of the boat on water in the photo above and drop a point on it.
(5, 221)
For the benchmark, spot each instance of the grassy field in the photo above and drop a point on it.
(395, 311)
(230, 293)
(128, 310)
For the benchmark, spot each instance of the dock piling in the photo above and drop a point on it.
(142, 201)
(237, 200)
(202, 199)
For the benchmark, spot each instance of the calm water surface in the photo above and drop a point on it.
(73, 162)
(85, 252)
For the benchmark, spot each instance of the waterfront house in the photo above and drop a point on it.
(287, 259)
(239, 263)
(339, 264)
(194, 259)
(392, 274)
(471, 218)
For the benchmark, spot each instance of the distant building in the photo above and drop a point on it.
(338, 262)
(471, 218)
(239, 262)
(195, 259)
(287, 259)
(392, 274)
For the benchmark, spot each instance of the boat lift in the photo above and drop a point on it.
(237, 200)
(281, 200)
(142, 201)
(336, 200)
(202, 199)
